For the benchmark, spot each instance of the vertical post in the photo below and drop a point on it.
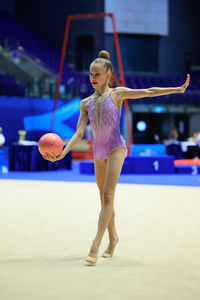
(63, 53)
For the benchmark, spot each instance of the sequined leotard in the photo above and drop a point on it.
(105, 128)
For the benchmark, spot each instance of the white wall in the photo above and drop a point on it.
(138, 16)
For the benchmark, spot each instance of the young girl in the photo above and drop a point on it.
(103, 108)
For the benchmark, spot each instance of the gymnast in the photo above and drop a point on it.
(103, 109)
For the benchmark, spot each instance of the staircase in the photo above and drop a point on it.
(27, 70)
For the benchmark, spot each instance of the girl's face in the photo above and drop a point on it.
(98, 75)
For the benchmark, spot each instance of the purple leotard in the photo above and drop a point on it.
(105, 127)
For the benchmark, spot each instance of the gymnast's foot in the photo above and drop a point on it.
(93, 254)
(111, 247)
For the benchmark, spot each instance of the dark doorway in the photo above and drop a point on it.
(84, 47)
(181, 123)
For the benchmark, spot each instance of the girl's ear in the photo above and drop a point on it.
(109, 74)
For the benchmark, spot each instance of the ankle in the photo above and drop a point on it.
(96, 243)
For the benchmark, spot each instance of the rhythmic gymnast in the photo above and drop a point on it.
(103, 109)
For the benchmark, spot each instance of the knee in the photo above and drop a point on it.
(101, 195)
(107, 198)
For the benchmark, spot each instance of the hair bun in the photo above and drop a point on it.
(104, 54)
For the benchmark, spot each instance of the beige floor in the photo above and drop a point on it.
(46, 229)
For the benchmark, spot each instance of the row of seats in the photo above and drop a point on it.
(14, 33)
(80, 84)
(144, 81)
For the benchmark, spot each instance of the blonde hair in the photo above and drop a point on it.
(104, 58)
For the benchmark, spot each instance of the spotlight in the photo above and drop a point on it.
(141, 126)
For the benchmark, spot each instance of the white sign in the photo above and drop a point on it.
(138, 16)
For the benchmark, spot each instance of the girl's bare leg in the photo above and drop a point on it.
(106, 217)
(100, 173)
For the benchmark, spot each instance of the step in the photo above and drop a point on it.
(163, 164)
(87, 167)
(188, 169)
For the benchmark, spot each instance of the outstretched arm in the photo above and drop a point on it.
(81, 125)
(126, 93)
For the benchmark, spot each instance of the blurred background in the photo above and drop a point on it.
(159, 43)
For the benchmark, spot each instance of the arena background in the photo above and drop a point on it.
(168, 56)
(48, 211)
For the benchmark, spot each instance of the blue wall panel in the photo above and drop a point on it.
(35, 115)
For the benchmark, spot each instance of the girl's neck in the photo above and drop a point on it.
(102, 91)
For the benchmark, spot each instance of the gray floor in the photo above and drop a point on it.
(46, 229)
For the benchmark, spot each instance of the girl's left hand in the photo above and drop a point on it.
(185, 85)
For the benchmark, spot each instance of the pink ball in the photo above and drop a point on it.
(50, 143)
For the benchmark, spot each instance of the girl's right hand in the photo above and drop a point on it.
(53, 158)
(185, 85)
